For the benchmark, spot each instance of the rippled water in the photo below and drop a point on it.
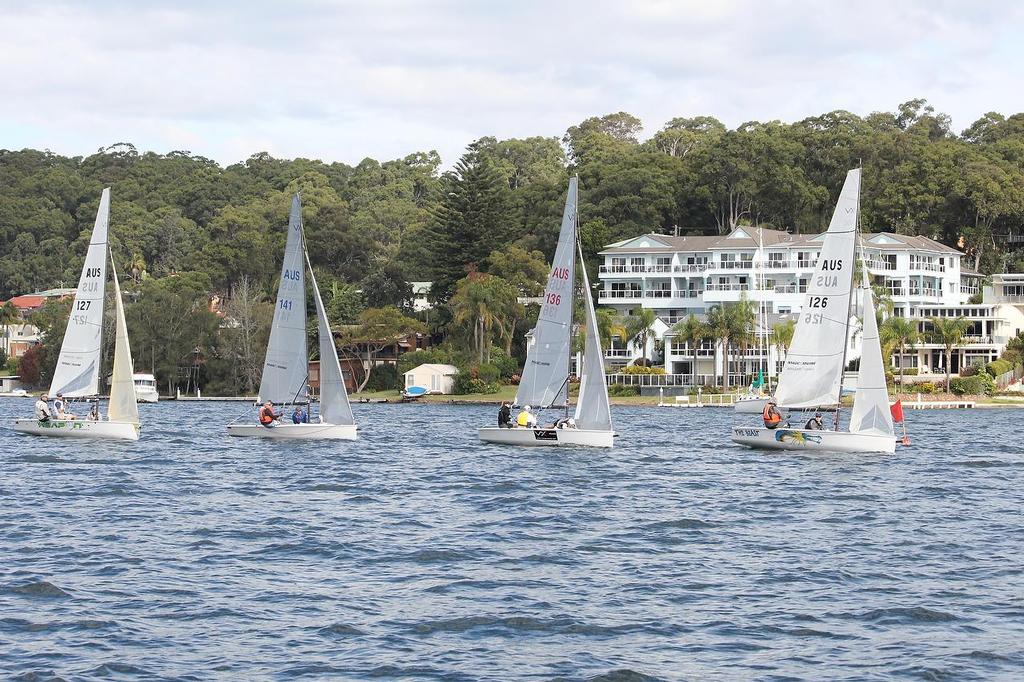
(417, 553)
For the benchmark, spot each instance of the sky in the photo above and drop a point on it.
(341, 81)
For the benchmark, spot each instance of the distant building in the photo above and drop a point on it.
(16, 338)
(680, 276)
(420, 296)
(436, 378)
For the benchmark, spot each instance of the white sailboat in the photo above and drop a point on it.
(812, 375)
(545, 380)
(755, 398)
(286, 366)
(77, 374)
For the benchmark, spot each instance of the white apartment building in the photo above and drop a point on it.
(679, 276)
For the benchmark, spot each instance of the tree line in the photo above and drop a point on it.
(184, 228)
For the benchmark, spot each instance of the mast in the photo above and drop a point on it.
(849, 306)
(572, 280)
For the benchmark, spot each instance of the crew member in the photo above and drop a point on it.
(267, 415)
(772, 416)
(814, 423)
(504, 416)
(298, 416)
(42, 409)
(58, 407)
(526, 418)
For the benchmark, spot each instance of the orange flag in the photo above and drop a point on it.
(897, 410)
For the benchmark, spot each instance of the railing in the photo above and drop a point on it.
(691, 267)
(635, 268)
(925, 291)
(970, 291)
(658, 293)
(896, 291)
(658, 380)
(881, 265)
(620, 293)
(790, 289)
(683, 350)
(927, 267)
(1010, 298)
(726, 287)
(618, 353)
(732, 265)
(806, 263)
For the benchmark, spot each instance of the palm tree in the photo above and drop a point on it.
(742, 321)
(719, 330)
(901, 333)
(639, 328)
(484, 302)
(782, 335)
(948, 333)
(609, 325)
(691, 331)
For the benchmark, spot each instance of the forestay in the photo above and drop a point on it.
(813, 372)
(334, 404)
(123, 405)
(77, 373)
(593, 410)
(286, 366)
(545, 377)
(871, 403)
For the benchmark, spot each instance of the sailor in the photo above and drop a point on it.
(94, 413)
(526, 418)
(814, 423)
(42, 408)
(772, 416)
(267, 415)
(298, 416)
(504, 415)
(58, 406)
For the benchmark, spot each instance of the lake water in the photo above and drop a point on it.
(418, 553)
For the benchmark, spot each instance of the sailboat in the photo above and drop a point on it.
(754, 400)
(77, 374)
(545, 379)
(813, 372)
(286, 366)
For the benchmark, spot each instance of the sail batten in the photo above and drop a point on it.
(546, 374)
(286, 366)
(813, 371)
(77, 373)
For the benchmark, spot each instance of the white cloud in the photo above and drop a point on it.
(344, 80)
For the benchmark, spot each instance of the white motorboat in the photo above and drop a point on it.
(813, 371)
(145, 388)
(545, 380)
(77, 374)
(286, 366)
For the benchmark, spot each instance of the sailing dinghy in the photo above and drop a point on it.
(545, 380)
(286, 366)
(813, 372)
(77, 374)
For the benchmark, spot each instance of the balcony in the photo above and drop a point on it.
(790, 289)
(658, 293)
(635, 269)
(925, 292)
(618, 354)
(620, 293)
(728, 287)
(731, 265)
(691, 267)
(927, 267)
(881, 265)
(806, 264)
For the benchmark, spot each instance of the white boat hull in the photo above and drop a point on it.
(750, 404)
(295, 431)
(144, 396)
(805, 439)
(79, 428)
(540, 437)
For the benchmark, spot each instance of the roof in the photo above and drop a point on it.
(436, 368)
(28, 302)
(747, 238)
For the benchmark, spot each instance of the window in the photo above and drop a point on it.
(664, 260)
(435, 383)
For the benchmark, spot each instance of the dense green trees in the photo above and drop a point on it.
(374, 227)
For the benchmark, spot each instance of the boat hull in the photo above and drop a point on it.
(79, 428)
(749, 404)
(804, 439)
(146, 396)
(538, 437)
(295, 431)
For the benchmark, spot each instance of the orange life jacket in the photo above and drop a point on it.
(771, 415)
(266, 415)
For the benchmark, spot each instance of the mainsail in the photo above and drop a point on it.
(593, 410)
(813, 371)
(545, 377)
(334, 405)
(286, 366)
(78, 367)
(123, 406)
(871, 403)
